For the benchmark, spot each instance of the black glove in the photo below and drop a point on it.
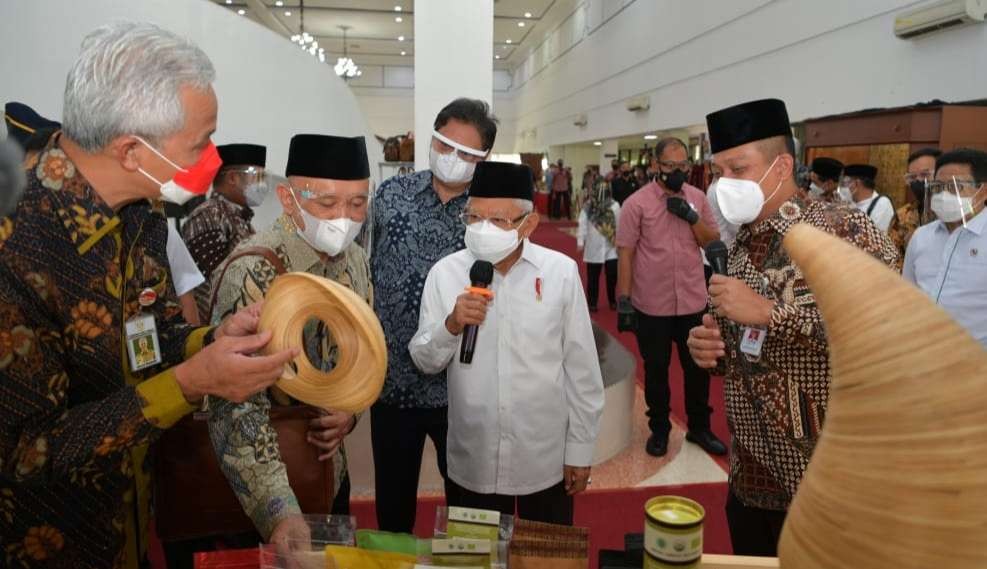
(680, 208)
(626, 315)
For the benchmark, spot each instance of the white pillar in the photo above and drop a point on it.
(453, 58)
(608, 152)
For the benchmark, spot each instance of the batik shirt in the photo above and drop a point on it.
(776, 403)
(412, 230)
(904, 225)
(245, 442)
(75, 423)
(211, 232)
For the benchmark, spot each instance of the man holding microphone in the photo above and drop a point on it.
(768, 339)
(524, 413)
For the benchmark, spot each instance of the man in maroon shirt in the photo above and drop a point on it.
(662, 289)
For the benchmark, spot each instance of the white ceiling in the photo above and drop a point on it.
(372, 38)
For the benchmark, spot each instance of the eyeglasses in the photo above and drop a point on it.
(918, 177)
(469, 218)
(669, 165)
(954, 185)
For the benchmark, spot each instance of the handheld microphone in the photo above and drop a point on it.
(481, 275)
(716, 254)
(12, 177)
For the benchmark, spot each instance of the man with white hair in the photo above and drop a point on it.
(95, 360)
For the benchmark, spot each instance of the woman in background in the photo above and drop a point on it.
(595, 237)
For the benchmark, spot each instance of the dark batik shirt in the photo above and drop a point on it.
(776, 404)
(412, 230)
(75, 423)
(211, 232)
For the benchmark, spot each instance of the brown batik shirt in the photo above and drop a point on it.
(211, 232)
(776, 403)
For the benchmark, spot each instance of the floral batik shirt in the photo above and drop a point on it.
(776, 403)
(245, 442)
(75, 422)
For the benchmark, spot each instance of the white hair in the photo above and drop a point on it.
(126, 81)
(526, 206)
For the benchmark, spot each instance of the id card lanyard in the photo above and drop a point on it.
(143, 346)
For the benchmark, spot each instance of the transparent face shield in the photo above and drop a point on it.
(254, 182)
(956, 200)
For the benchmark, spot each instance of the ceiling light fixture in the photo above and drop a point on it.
(496, 57)
(242, 12)
(510, 41)
(397, 8)
(651, 137)
(228, 2)
(404, 53)
(279, 3)
(597, 143)
(527, 14)
(287, 12)
(346, 67)
(399, 19)
(520, 24)
(400, 38)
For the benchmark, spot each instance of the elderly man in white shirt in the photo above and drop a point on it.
(859, 183)
(524, 415)
(947, 258)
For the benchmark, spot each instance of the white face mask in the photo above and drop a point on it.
(255, 193)
(815, 189)
(487, 242)
(741, 201)
(845, 193)
(330, 236)
(951, 208)
(450, 168)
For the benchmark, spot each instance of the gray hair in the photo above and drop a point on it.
(126, 81)
(526, 206)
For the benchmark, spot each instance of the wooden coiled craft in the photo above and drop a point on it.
(358, 376)
(899, 476)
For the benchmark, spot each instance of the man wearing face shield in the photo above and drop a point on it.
(325, 201)
(524, 415)
(946, 258)
(84, 284)
(416, 222)
(222, 222)
(912, 215)
(661, 290)
(767, 337)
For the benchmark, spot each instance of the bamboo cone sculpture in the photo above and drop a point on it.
(899, 476)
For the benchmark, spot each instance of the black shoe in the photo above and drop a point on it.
(593, 309)
(707, 441)
(657, 445)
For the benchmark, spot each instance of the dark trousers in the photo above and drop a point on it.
(593, 282)
(179, 554)
(655, 335)
(551, 505)
(753, 531)
(398, 437)
(560, 201)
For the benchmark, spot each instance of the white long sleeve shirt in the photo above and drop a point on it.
(184, 272)
(532, 398)
(883, 211)
(596, 248)
(952, 269)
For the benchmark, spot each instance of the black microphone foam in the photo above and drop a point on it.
(12, 178)
(481, 275)
(716, 254)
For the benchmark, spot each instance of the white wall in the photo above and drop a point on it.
(694, 57)
(267, 90)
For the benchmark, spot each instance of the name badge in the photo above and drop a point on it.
(142, 342)
(752, 341)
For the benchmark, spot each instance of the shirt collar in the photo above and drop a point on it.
(532, 254)
(83, 213)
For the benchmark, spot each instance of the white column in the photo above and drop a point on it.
(453, 58)
(608, 152)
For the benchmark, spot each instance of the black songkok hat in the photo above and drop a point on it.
(827, 168)
(747, 122)
(243, 155)
(502, 180)
(860, 171)
(23, 121)
(330, 157)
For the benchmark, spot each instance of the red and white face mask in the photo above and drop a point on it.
(188, 182)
